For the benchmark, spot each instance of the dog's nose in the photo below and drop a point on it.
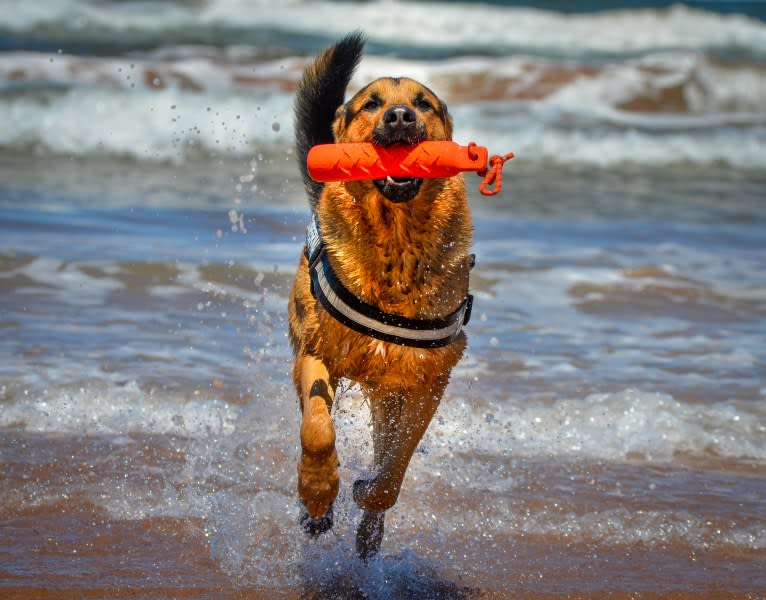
(399, 117)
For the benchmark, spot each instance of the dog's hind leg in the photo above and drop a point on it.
(318, 478)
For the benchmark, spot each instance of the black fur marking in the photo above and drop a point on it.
(423, 103)
(374, 98)
(320, 92)
(349, 113)
(319, 388)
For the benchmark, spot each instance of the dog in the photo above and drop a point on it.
(380, 296)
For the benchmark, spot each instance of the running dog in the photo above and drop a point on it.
(381, 292)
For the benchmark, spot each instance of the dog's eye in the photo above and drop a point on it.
(371, 105)
(423, 104)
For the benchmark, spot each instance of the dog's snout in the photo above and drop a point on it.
(399, 124)
(399, 117)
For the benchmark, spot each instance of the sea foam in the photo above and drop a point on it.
(453, 25)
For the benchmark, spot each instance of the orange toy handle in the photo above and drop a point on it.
(349, 162)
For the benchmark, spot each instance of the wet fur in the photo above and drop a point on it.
(408, 258)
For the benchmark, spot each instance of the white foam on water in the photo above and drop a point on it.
(257, 540)
(463, 24)
(696, 84)
(191, 69)
(616, 426)
(109, 106)
(235, 469)
(173, 126)
(538, 142)
(119, 410)
(168, 125)
(613, 426)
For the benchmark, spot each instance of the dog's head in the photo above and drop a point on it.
(394, 111)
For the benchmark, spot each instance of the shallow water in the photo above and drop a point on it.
(605, 434)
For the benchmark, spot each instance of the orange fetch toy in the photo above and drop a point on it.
(364, 160)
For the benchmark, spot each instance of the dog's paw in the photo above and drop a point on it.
(318, 483)
(316, 526)
(369, 534)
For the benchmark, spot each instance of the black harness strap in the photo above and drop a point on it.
(368, 319)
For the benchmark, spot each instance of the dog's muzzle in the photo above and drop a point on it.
(399, 125)
(398, 189)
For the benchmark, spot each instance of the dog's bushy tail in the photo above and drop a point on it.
(320, 92)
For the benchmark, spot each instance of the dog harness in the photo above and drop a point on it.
(368, 319)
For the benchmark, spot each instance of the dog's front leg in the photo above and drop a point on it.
(399, 422)
(386, 414)
(318, 478)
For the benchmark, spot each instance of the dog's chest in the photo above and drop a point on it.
(380, 364)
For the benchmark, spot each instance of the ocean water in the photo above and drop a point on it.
(605, 434)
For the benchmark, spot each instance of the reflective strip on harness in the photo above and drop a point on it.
(370, 320)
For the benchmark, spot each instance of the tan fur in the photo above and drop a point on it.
(408, 258)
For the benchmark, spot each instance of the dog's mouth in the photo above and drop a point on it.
(398, 129)
(398, 189)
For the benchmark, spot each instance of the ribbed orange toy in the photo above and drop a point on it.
(349, 162)
(364, 160)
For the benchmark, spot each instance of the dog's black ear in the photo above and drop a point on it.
(320, 92)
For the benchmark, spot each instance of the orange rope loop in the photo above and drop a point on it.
(493, 174)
